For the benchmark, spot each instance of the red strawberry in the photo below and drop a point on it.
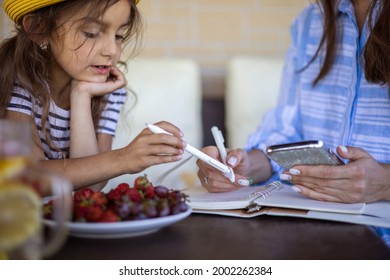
(123, 187)
(141, 182)
(83, 194)
(99, 198)
(80, 211)
(149, 192)
(94, 213)
(109, 216)
(134, 195)
(114, 195)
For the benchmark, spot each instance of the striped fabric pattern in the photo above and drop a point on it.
(342, 109)
(58, 125)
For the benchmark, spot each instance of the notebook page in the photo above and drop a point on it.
(286, 197)
(200, 198)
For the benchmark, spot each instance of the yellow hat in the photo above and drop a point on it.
(16, 9)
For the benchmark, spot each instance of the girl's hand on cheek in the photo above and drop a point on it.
(115, 81)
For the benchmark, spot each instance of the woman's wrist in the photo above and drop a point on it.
(259, 167)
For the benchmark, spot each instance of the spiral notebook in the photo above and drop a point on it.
(278, 199)
(275, 194)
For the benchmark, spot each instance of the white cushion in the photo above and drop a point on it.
(166, 89)
(252, 87)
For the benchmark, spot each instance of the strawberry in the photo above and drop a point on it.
(141, 182)
(99, 198)
(149, 192)
(109, 216)
(94, 213)
(123, 187)
(80, 210)
(83, 194)
(114, 195)
(134, 195)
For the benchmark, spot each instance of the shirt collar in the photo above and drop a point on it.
(346, 6)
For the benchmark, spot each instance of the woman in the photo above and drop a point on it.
(335, 88)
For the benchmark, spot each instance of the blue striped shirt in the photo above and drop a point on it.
(343, 108)
(58, 123)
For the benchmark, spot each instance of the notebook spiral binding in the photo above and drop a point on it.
(265, 191)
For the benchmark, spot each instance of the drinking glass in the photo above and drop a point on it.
(23, 183)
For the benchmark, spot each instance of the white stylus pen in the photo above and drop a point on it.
(228, 172)
(219, 141)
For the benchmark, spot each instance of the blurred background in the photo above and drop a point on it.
(204, 63)
(211, 33)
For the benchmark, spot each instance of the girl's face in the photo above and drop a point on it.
(87, 51)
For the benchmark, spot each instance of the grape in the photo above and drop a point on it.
(161, 191)
(175, 209)
(174, 197)
(163, 208)
(183, 206)
(123, 210)
(150, 209)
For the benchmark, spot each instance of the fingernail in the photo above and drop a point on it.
(285, 177)
(344, 149)
(244, 182)
(296, 189)
(294, 171)
(232, 161)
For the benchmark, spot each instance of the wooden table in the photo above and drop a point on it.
(208, 237)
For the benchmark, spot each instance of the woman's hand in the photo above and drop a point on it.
(248, 167)
(362, 180)
(149, 149)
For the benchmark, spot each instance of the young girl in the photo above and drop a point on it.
(62, 77)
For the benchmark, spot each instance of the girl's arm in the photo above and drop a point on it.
(84, 141)
(145, 150)
(83, 138)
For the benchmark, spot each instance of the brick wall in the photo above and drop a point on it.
(212, 31)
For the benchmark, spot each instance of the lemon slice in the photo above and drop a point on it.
(20, 212)
(10, 167)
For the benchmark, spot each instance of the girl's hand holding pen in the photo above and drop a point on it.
(149, 149)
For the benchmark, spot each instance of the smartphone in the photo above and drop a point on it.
(313, 152)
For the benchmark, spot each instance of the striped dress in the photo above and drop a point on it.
(58, 124)
(343, 108)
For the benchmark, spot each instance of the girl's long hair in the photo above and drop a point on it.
(23, 62)
(377, 49)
